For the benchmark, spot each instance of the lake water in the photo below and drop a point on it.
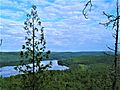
(8, 71)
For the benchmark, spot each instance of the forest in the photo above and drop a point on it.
(86, 72)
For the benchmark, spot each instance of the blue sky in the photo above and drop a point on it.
(66, 29)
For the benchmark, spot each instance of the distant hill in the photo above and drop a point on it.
(53, 55)
(11, 58)
(65, 55)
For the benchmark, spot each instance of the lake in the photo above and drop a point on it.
(8, 71)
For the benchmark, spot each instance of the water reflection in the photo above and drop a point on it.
(8, 71)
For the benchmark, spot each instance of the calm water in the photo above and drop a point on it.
(8, 71)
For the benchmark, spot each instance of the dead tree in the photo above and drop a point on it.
(113, 20)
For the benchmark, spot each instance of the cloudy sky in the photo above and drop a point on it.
(66, 29)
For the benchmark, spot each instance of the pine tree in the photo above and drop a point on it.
(33, 52)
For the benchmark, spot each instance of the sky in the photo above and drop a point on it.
(66, 29)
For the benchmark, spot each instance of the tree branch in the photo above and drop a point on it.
(0, 42)
(89, 3)
(110, 48)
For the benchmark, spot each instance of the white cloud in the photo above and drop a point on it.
(63, 21)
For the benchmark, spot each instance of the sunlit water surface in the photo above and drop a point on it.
(8, 71)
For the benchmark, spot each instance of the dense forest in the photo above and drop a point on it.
(85, 73)
(12, 58)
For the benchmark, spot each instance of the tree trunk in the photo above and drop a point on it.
(116, 50)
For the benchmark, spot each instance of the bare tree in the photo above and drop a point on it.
(113, 20)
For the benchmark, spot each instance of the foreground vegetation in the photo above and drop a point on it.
(94, 77)
(85, 73)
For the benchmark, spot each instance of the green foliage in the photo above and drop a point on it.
(33, 51)
(9, 58)
(12, 58)
(87, 72)
(88, 59)
(94, 77)
(34, 48)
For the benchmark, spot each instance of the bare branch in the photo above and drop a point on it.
(111, 20)
(114, 36)
(110, 48)
(106, 53)
(89, 3)
(114, 24)
(108, 15)
(1, 42)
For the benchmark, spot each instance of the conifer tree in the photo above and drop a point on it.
(33, 52)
